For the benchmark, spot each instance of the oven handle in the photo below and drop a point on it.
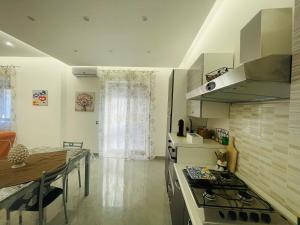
(170, 155)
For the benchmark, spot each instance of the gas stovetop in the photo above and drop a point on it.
(228, 200)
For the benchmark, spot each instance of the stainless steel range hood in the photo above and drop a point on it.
(266, 39)
(267, 78)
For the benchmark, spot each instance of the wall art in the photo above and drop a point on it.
(40, 97)
(84, 101)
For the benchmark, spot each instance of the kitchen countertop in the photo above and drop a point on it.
(182, 142)
(195, 213)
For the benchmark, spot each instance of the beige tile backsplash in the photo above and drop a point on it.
(261, 132)
(268, 139)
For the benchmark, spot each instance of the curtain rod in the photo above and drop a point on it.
(10, 66)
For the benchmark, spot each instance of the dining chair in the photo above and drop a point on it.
(45, 193)
(74, 146)
(7, 139)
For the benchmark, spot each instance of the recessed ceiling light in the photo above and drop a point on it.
(144, 18)
(149, 52)
(31, 18)
(86, 18)
(8, 43)
(75, 50)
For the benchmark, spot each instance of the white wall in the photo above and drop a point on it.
(50, 125)
(37, 125)
(81, 126)
(222, 34)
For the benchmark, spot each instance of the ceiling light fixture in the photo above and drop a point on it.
(86, 18)
(144, 18)
(30, 18)
(8, 43)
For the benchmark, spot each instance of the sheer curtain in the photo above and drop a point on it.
(7, 96)
(126, 121)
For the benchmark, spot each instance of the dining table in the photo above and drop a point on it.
(17, 183)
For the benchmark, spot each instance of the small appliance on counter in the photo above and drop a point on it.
(180, 132)
(194, 138)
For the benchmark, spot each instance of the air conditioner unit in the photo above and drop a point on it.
(84, 71)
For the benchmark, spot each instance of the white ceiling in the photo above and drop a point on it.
(115, 35)
(10, 46)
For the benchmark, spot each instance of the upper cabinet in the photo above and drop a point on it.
(196, 77)
(208, 110)
(207, 62)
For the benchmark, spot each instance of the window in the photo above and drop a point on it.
(5, 104)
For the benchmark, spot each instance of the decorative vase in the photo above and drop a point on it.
(17, 156)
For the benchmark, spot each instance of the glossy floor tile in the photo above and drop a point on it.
(122, 193)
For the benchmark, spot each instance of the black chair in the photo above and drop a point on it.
(45, 193)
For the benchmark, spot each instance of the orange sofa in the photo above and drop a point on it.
(7, 139)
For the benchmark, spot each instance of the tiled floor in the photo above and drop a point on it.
(122, 193)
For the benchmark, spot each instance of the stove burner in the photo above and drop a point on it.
(244, 197)
(209, 195)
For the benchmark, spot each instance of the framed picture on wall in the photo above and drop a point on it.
(40, 97)
(84, 101)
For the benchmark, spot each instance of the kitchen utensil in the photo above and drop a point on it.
(232, 155)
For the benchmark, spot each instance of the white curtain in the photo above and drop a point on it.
(7, 97)
(126, 109)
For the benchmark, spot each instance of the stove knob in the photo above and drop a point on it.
(243, 216)
(266, 218)
(231, 215)
(254, 217)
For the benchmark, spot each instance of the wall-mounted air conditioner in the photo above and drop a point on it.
(84, 71)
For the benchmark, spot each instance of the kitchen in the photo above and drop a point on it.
(256, 103)
(188, 114)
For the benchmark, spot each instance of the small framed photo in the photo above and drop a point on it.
(40, 97)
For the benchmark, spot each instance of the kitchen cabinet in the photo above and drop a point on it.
(186, 217)
(177, 99)
(204, 109)
(207, 62)
(196, 77)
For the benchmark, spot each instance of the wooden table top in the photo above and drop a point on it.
(35, 165)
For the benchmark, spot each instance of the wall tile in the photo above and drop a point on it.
(262, 135)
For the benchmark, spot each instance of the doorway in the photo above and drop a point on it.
(125, 116)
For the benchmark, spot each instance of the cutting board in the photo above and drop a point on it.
(232, 155)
